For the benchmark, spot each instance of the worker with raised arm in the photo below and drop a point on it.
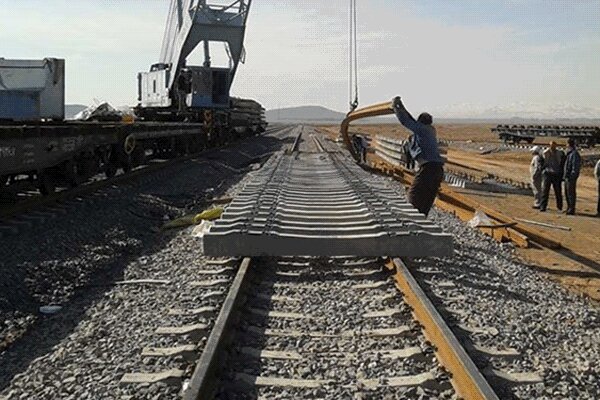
(424, 150)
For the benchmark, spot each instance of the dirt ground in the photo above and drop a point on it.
(578, 265)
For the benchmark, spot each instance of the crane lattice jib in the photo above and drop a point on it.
(191, 22)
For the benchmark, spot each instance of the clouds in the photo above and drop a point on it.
(435, 54)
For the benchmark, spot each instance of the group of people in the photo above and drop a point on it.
(549, 168)
(552, 167)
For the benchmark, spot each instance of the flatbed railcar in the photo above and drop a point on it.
(587, 136)
(51, 154)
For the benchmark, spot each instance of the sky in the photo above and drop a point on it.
(459, 58)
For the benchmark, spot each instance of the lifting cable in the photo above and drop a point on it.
(353, 57)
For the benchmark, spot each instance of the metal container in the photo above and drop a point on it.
(32, 90)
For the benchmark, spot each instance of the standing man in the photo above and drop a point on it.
(536, 168)
(552, 176)
(360, 145)
(424, 150)
(572, 170)
(597, 175)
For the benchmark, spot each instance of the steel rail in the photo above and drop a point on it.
(466, 378)
(202, 383)
(374, 110)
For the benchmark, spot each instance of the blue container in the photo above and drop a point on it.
(22, 106)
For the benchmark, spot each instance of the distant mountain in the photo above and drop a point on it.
(315, 114)
(72, 109)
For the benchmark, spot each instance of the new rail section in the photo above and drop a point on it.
(277, 300)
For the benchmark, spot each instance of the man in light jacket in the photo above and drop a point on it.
(597, 175)
(571, 174)
(424, 150)
(536, 168)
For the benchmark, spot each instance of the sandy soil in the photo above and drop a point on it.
(577, 267)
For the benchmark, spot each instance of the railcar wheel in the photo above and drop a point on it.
(138, 157)
(46, 183)
(71, 173)
(110, 170)
(126, 164)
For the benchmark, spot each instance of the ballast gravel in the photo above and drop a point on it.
(74, 260)
(556, 332)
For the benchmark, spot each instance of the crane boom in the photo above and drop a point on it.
(171, 82)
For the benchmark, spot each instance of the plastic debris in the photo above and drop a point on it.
(99, 112)
(480, 218)
(194, 219)
(50, 309)
(200, 230)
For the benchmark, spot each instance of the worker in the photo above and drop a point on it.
(597, 175)
(571, 173)
(552, 176)
(360, 146)
(536, 168)
(424, 150)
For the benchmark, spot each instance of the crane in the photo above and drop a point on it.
(174, 90)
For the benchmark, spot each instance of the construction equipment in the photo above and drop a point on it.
(32, 90)
(174, 90)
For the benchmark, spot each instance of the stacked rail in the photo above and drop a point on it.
(586, 135)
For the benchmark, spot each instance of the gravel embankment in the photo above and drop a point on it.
(556, 332)
(74, 259)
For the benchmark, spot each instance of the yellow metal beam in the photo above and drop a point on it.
(374, 110)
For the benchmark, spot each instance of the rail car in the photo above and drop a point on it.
(182, 108)
(587, 136)
(68, 153)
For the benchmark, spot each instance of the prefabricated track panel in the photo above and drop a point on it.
(322, 204)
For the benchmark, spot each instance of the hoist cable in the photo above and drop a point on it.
(353, 56)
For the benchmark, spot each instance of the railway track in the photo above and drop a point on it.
(329, 328)
(33, 206)
(318, 327)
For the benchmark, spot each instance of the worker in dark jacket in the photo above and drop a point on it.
(554, 159)
(424, 150)
(572, 170)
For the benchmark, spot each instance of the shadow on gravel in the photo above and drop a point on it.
(136, 218)
(478, 278)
